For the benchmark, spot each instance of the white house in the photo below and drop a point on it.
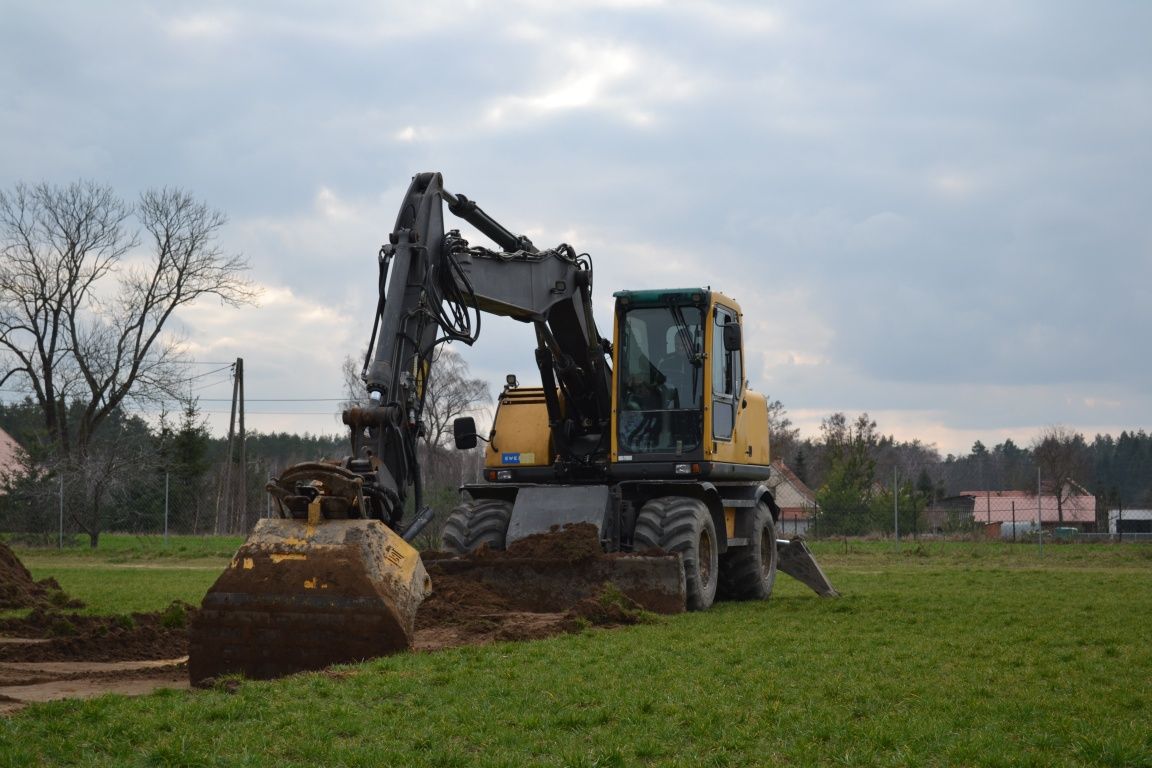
(1130, 521)
(796, 500)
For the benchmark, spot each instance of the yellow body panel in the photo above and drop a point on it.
(520, 433)
(749, 442)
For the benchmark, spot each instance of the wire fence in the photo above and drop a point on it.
(226, 500)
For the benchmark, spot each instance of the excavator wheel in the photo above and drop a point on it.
(476, 523)
(749, 572)
(682, 525)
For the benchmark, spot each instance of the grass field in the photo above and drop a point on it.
(977, 654)
(134, 573)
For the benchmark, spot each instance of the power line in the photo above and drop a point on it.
(276, 399)
(208, 373)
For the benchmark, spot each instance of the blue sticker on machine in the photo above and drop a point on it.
(509, 458)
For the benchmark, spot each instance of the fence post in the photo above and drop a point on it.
(61, 511)
(896, 507)
(166, 475)
(1039, 514)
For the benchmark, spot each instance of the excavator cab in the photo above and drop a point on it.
(680, 382)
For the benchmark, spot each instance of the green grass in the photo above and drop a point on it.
(108, 589)
(127, 547)
(129, 573)
(932, 657)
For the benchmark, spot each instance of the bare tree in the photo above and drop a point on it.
(451, 394)
(783, 437)
(1064, 461)
(85, 297)
(81, 318)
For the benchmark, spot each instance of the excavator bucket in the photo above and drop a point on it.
(796, 560)
(304, 594)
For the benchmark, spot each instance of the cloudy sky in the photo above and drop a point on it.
(935, 211)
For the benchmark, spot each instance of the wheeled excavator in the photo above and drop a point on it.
(653, 438)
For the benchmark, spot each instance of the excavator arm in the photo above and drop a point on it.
(331, 579)
(434, 286)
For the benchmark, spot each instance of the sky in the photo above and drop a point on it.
(938, 212)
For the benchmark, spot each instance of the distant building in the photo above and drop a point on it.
(796, 500)
(996, 509)
(11, 458)
(1121, 521)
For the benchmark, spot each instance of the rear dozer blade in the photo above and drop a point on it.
(300, 596)
(541, 585)
(796, 560)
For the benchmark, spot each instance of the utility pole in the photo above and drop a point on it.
(231, 520)
(243, 452)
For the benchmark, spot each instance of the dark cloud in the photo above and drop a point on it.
(956, 190)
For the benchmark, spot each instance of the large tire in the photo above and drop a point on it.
(476, 523)
(683, 525)
(749, 572)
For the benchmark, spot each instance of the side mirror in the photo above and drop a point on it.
(464, 432)
(731, 337)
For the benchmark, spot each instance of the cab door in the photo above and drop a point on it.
(727, 376)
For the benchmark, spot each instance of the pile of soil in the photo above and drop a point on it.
(571, 544)
(19, 590)
(74, 637)
(464, 610)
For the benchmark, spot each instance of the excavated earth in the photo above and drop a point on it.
(53, 652)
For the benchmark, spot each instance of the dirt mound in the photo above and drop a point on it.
(73, 637)
(572, 543)
(466, 609)
(609, 608)
(544, 584)
(19, 590)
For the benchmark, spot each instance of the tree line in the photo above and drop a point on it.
(859, 475)
(172, 475)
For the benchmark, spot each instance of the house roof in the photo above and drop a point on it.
(796, 500)
(1001, 506)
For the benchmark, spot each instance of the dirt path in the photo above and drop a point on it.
(23, 683)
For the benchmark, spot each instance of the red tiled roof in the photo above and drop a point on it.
(796, 482)
(799, 492)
